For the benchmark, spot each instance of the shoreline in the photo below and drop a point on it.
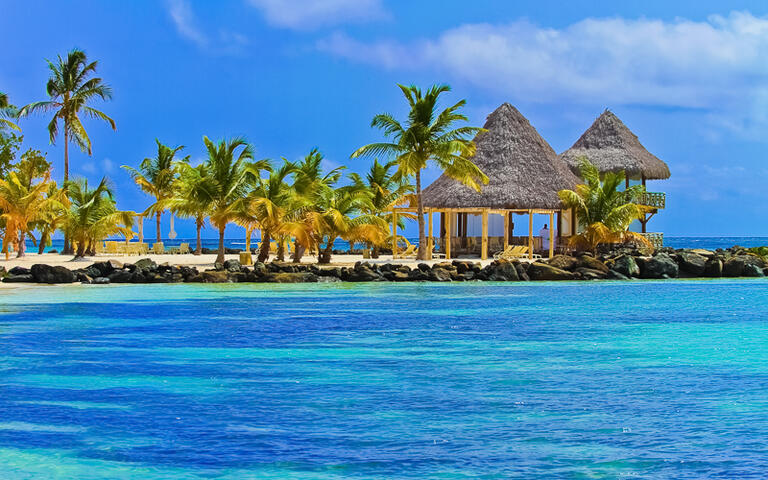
(617, 265)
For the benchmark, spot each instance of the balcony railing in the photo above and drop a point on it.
(656, 238)
(653, 199)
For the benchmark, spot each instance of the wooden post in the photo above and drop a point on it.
(551, 235)
(506, 230)
(484, 240)
(430, 241)
(394, 234)
(530, 234)
(447, 234)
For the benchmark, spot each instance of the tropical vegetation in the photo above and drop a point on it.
(603, 211)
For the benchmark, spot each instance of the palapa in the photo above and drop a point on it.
(612, 147)
(524, 171)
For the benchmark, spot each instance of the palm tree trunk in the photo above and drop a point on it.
(220, 256)
(80, 249)
(199, 246)
(67, 248)
(325, 255)
(22, 245)
(43, 243)
(248, 233)
(157, 219)
(298, 252)
(422, 253)
(280, 250)
(264, 249)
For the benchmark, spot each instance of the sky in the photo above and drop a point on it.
(689, 78)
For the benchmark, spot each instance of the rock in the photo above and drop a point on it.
(120, 276)
(47, 274)
(417, 275)
(693, 263)
(522, 273)
(440, 275)
(614, 275)
(105, 268)
(704, 253)
(462, 266)
(752, 270)
(734, 267)
(362, 273)
(713, 268)
(396, 276)
(3, 272)
(626, 266)
(146, 264)
(423, 267)
(505, 271)
(214, 276)
(542, 271)
(20, 271)
(259, 269)
(587, 261)
(660, 266)
(232, 265)
(293, 278)
(563, 262)
(591, 273)
(20, 278)
(101, 281)
(83, 277)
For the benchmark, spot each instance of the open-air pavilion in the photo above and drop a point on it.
(525, 175)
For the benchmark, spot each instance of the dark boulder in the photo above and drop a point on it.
(522, 272)
(396, 276)
(418, 275)
(48, 274)
(215, 276)
(542, 271)
(232, 265)
(438, 274)
(627, 266)
(293, 278)
(20, 278)
(614, 275)
(752, 270)
(660, 266)
(105, 268)
(146, 264)
(504, 271)
(363, 273)
(563, 262)
(588, 261)
(591, 273)
(692, 263)
(19, 271)
(713, 268)
(101, 281)
(120, 276)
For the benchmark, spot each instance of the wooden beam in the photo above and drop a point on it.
(506, 231)
(447, 235)
(394, 234)
(484, 241)
(530, 234)
(430, 241)
(551, 235)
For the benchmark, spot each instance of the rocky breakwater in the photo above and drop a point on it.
(613, 265)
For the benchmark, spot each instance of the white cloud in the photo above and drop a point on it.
(312, 14)
(187, 26)
(710, 64)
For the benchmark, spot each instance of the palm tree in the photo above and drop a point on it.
(339, 215)
(93, 215)
(604, 212)
(192, 196)
(428, 135)
(387, 190)
(268, 202)
(232, 176)
(22, 204)
(71, 87)
(156, 177)
(7, 111)
(52, 217)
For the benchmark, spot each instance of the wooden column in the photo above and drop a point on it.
(484, 240)
(506, 231)
(394, 234)
(551, 235)
(430, 241)
(530, 234)
(447, 235)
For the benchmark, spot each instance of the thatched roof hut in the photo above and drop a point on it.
(524, 171)
(612, 147)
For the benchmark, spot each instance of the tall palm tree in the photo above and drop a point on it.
(7, 111)
(71, 87)
(387, 190)
(428, 136)
(93, 215)
(340, 216)
(268, 202)
(192, 197)
(233, 175)
(156, 177)
(603, 211)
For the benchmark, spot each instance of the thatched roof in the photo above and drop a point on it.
(523, 170)
(612, 147)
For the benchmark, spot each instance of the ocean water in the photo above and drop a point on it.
(660, 380)
(711, 243)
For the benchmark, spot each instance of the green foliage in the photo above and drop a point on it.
(9, 147)
(7, 112)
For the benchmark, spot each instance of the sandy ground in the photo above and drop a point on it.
(200, 261)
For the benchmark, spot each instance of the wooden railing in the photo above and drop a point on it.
(653, 199)
(656, 238)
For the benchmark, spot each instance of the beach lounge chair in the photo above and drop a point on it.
(184, 248)
(506, 253)
(409, 252)
(158, 248)
(112, 248)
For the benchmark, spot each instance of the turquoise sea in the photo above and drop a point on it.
(659, 380)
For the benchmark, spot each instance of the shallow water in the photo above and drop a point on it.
(391, 381)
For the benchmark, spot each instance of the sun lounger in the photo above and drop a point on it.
(184, 248)
(158, 248)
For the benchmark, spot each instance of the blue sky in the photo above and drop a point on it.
(690, 78)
